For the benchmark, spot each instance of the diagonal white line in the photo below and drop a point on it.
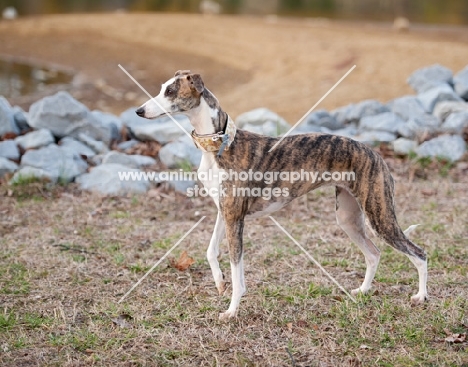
(313, 107)
(313, 260)
(160, 260)
(154, 100)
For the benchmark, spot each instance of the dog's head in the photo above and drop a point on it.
(179, 94)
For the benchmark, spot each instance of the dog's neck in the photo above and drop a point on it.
(208, 117)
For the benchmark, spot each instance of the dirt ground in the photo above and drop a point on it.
(248, 62)
(66, 257)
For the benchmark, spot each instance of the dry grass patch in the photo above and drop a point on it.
(67, 257)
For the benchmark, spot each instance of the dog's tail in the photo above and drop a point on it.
(410, 229)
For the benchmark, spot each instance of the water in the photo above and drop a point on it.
(423, 11)
(18, 79)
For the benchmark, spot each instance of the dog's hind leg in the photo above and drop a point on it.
(351, 219)
(380, 210)
(213, 252)
(234, 235)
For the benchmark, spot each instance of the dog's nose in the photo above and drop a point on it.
(140, 112)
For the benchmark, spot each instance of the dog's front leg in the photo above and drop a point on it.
(234, 232)
(213, 252)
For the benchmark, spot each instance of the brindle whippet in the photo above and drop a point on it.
(225, 148)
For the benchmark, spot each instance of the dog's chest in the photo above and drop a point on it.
(208, 174)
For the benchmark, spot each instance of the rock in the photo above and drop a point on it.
(10, 13)
(28, 173)
(430, 77)
(353, 113)
(407, 107)
(65, 116)
(323, 118)
(386, 121)
(58, 163)
(97, 146)
(35, 139)
(404, 146)
(263, 121)
(443, 109)
(9, 150)
(460, 82)
(455, 123)
(349, 132)
(375, 136)
(105, 179)
(183, 150)
(126, 145)
(77, 147)
(416, 128)
(443, 92)
(7, 166)
(162, 129)
(451, 147)
(7, 120)
(114, 123)
(21, 119)
(181, 185)
(132, 161)
(307, 129)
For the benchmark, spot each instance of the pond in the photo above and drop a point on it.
(424, 11)
(18, 78)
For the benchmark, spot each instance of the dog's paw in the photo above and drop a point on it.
(225, 316)
(418, 299)
(221, 287)
(358, 291)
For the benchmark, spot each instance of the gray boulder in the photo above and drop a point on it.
(7, 120)
(162, 129)
(407, 107)
(307, 129)
(77, 147)
(348, 131)
(58, 162)
(9, 150)
(353, 113)
(455, 123)
(404, 146)
(132, 161)
(262, 121)
(460, 82)
(97, 146)
(105, 179)
(7, 166)
(180, 151)
(26, 173)
(65, 116)
(111, 121)
(375, 136)
(21, 119)
(35, 139)
(451, 147)
(431, 97)
(443, 109)
(416, 128)
(323, 118)
(386, 121)
(427, 78)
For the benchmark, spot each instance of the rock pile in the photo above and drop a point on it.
(61, 140)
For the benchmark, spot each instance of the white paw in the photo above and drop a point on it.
(225, 316)
(418, 299)
(358, 291)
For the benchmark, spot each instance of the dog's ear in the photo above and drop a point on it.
(196, 82)
(182, 72)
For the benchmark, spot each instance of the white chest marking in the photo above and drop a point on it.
(209, 168)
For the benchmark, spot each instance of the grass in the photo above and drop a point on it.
(66, 260)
